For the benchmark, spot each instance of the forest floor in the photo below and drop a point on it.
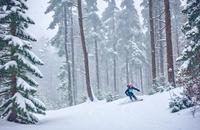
(150, 114)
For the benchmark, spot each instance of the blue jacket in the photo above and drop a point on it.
(130, 90)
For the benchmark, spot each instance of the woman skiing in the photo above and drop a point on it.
(129, 91)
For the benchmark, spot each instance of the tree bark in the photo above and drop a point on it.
(115, 71)
(152, 40)
(73, 59)
(67, 57)
(13, 114)
(86, 62)
(170, 66)
(176, 31)
(107, 73)
(97, 63)
(127, 70)
(114, 57)
(141, 81)
(177, 39)
(97, 66)
(161, 48)
(131, 72)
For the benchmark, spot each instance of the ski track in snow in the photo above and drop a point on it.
(151, 114)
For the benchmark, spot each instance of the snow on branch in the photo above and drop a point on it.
(24, 35)
(33, 57)
(38, 103)
(23, 102)
(15, 41)
(9, 65)
(28, 65)
(21, 84)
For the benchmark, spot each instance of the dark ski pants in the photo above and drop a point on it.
(131, 96)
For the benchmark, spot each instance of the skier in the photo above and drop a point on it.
(129, 91)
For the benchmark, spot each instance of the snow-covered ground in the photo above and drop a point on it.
(151, 114)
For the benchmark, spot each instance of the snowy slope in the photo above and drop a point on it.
(150, 114)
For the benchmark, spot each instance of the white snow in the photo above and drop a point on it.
(193, 31)
(185, 65)
(24, 85)
(34, 57)
(197, 20)
(9, 65)
(15, 41)
(3, 15)
(151, 114)
(22, 102)
(36, 101)
(29, 64)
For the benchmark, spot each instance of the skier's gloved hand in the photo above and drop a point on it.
(137, 89)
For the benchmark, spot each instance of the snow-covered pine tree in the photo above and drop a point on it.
(109, 18)
(93, 35)
(130, 44)
(85, 52)
(177, 21)
(1, 34)
(3, 50)
(145, 26)
(169, 47)
(190, 70)
(62, 88)
(19, 65)
(60, 41)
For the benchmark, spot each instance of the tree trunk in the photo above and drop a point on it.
(170, 67)
(152, 40)
(141, 81)
(107, 73)
(67, 57)
(114, 58)
(127, 70)
(13, 114)
(97, 64)
(177, 39)
(131, 72)
(86, 62)
(156, 13)
(115, 72)
(161, 43)
(73, 59)
(177, 36)
(176, 29)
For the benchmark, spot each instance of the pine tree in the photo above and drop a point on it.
(161, 40)
(58, 39)
(20, 62)
(63, 89)
(153, 58)
(85, 53)
(170, 62)
(109, 19)
(2, 48)
(189, 73)
(74, 84)
(93, 36)
(130, 43)
(61, 40)
(177, 21)
(145, 26)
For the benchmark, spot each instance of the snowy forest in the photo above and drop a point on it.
(99, 64)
